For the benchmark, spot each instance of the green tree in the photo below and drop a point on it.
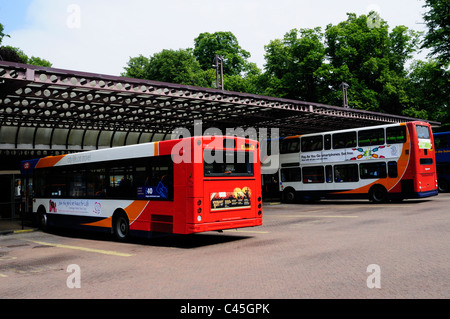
(371, 60)
(438, 36)
(175, 66)
(429, 92)
(208, 45)
(13, 54)
(293, 64)
(136, 67)
(2, 34)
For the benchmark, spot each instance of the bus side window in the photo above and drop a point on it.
(327, 142)
(392, 169)
(396, 134)
(291, 145)
(441, 141)
(313, 174)
(372, 170)
(371, 137)
(291, 174)
(346, 173)
(312, 143)
(329, 173)
(344, 140)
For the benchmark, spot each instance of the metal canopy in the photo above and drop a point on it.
(53, 108)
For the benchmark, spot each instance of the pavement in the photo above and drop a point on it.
(14, 226)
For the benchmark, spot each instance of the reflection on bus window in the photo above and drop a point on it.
(423, 132)
(371, 137)
(313, 174)
(346, 173)
(291, 145)
(396, 134)
(344, 140)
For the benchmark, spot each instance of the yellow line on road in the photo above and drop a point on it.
(3, 276)
(20, 231)
(98, 251)
(246, 231)
(318, 216)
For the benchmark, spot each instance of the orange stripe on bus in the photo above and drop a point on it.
(156, 149)
(49, 161)
(133, 211)
(388, 183)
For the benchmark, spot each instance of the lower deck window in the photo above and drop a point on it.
(292, 174)
(373, 170)
(346, 173)
(314, 174)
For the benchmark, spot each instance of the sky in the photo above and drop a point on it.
(100, 36)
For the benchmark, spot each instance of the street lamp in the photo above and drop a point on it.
(218, 62)
(344, 86)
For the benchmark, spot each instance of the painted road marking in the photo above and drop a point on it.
(318, 216)
(3, 276)
(91, 250)
(246, 231)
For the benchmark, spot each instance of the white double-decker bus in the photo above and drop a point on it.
(378, 163)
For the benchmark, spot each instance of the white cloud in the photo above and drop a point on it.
(110, 31)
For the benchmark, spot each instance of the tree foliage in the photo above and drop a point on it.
(438, 36)
(2, 34)
(195, 66)
(225, 44)
(13, 54)
(311, 64)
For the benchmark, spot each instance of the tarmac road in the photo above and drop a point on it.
(331, 249)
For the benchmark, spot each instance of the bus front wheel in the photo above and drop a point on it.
(42, 219)
(378, 194)
(289, 195)
(121, 226)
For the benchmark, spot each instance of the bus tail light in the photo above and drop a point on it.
(259, 205)
(199, 210)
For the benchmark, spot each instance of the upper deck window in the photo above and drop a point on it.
(396, 134)
(423, 132)
(290, 145)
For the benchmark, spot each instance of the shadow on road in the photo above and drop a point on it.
(157, 239)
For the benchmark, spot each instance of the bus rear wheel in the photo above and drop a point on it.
(378, 194)
(443, 186)
(121, 226)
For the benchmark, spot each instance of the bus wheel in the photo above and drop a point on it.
(42, 219)
(121, 226)
(289, 195)
(378, 194)
(443, 186)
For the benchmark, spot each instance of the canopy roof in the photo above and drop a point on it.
(44, 107)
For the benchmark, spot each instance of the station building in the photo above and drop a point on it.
(49, 111)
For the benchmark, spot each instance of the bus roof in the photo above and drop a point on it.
(359, 128)
(115, 153)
